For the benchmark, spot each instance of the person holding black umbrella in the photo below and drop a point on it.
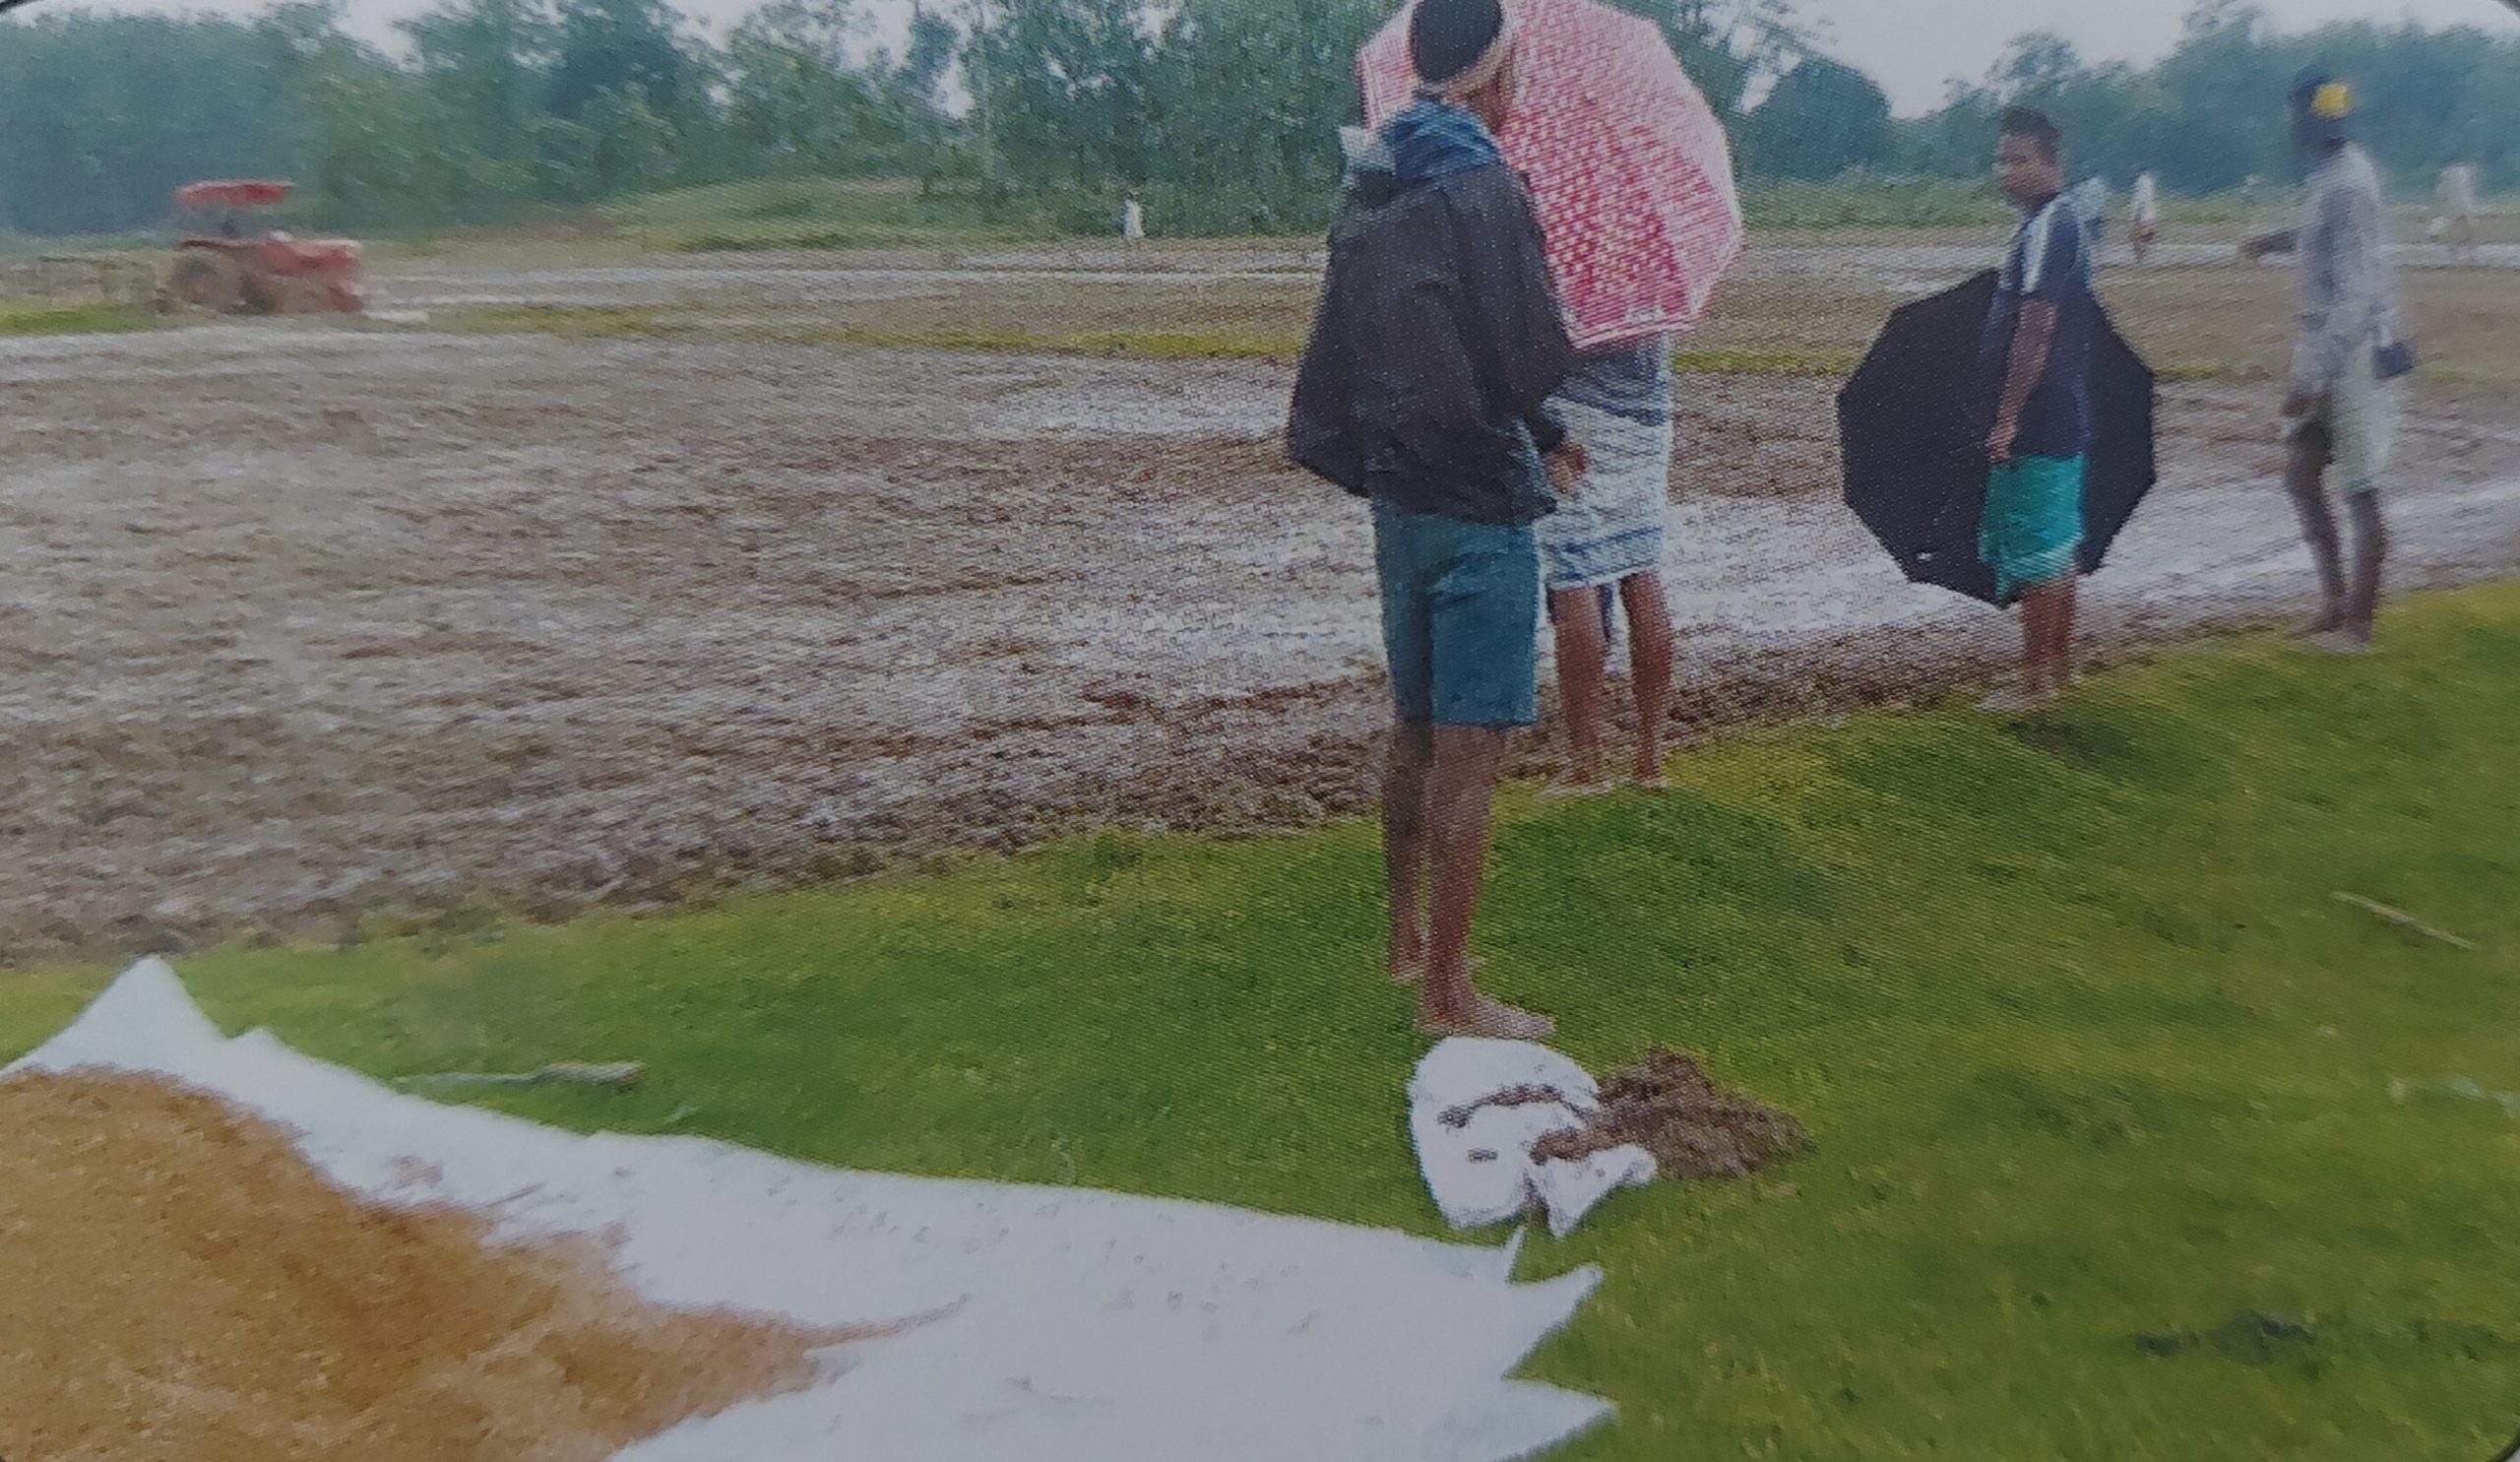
(2035, 353)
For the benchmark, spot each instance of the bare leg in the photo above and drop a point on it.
(2304, 473)
(2371, 551)
(1575, 614)
(1650, 655)
(2036, 608)
(1404, 843)
(2057, 648)
(2034, 642)
(1458, 800)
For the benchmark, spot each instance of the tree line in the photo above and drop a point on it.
(2206, 118)
(1221, 114)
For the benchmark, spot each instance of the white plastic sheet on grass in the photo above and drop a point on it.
(1482, 1172)
(1068, 1324)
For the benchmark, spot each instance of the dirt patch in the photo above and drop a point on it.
(178, 1283)
(1666, 1105)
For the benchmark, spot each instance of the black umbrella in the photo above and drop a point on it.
(1914, 421)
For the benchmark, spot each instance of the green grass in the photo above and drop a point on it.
(1766, 360)
(691, 320)
(2098, 1071)
(74, 319)
(694, 321)
(1856, 202)
(697, 321)
(816, 214)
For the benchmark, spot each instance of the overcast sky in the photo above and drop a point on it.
(1914, 47)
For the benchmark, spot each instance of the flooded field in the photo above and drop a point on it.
(318, 630)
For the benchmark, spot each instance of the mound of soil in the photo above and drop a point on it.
(179, 1285)
(1666, 1105)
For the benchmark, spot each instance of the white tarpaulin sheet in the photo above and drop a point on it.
(1067, 1324)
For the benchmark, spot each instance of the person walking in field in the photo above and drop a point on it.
(1132, 223)
(2034, 357)
(1436, 348)
(2144, 226)
(2458, 221)
(2342, 411)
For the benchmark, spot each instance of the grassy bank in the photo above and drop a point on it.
(74, 319)
(815, 213)
(694, 322)
(802, 328)
(2109, 1161)
(842, 214)
(2226, 322)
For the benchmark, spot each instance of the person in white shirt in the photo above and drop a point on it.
(1133, 222)
(2144, 227)
(2458, 221)
(2343, 414)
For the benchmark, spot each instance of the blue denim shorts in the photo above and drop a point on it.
(1460, 618)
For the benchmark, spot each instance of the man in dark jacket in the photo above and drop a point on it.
(1437, 342)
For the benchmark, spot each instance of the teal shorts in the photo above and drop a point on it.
(2032, 530)
(1460, 618)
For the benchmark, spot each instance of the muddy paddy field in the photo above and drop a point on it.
(626, 586)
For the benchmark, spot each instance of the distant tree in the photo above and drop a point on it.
(795, 100)
(920, 77)
(1068, 85)
(2226, 83)
(1251, 93)
(102, 115)
(486, 62)
(612, 46)
(911, 120)
(1730, 47)
(1224, 112)
(1821, 119)
(2034, 66)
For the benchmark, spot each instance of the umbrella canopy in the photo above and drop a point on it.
(1628, 164)
(1912, 423)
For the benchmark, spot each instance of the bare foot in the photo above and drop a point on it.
(2326, 621)
(1413, 971)
(1493, 1020)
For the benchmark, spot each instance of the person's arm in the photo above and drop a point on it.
(1562, 455)
(1520, 329)
(1321, 420)
(2031, 340)
(2056, 268)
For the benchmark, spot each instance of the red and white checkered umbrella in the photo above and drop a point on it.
(1629, 165)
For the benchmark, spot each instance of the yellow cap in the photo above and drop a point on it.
(2332, 103)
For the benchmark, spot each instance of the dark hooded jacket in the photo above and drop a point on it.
(1438, 336)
